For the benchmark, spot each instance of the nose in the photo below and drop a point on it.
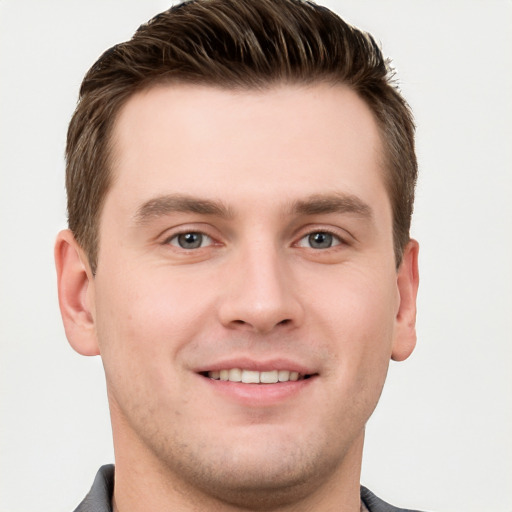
(261, 292)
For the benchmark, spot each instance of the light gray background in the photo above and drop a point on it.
(441, 437)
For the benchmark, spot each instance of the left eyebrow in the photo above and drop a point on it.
(319, 204)
(180, 203)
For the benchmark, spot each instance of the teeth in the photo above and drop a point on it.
(254, 377)
(249, 377)
(268, 377)
(283, 375)
(235, 375)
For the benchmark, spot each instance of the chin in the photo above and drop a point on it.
(255, 475)
(257, 486)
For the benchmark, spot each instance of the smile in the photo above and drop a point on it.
(256, 377)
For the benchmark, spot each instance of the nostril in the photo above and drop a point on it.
(284, 322)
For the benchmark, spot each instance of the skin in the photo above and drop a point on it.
(262, 171)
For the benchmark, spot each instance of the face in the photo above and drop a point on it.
(246, 302)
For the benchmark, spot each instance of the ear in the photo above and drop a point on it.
(405, 322)
(75, 284)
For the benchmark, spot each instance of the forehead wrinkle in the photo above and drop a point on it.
(319, 204)
(180, 203)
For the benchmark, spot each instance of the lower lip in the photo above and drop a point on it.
(259, 395)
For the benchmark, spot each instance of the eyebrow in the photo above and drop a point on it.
(320, 204)
(179, 203)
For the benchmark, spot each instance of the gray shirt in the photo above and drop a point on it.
(99, 498)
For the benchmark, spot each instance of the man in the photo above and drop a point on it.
(240, 181)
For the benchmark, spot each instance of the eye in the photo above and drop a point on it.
(191, 240)
(319, 240)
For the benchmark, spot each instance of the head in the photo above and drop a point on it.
(236, 45)
(240, 179)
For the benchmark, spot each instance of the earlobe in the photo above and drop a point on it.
(75, 287)
(407, 282)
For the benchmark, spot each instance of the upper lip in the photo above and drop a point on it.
(260, 365)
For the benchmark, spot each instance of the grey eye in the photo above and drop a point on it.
(319, 240)
(192, 240)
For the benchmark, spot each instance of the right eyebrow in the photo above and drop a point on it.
(167, 204)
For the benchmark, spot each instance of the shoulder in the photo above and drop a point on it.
(375, 504)
(99, 497)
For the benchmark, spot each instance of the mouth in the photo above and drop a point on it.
(245, 376)
(258, 384)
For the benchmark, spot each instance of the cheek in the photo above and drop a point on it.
(141, 327)
(353, 320)
(143, 323)
(358, 317)
(153, 301)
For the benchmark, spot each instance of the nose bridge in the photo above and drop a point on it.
(260, 292)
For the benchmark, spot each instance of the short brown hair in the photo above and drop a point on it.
(235, 44)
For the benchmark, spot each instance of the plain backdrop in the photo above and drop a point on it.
(441, 437)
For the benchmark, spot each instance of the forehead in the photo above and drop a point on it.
(216, 142)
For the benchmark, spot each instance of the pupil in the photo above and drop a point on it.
(320, 240)
(190, 240)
